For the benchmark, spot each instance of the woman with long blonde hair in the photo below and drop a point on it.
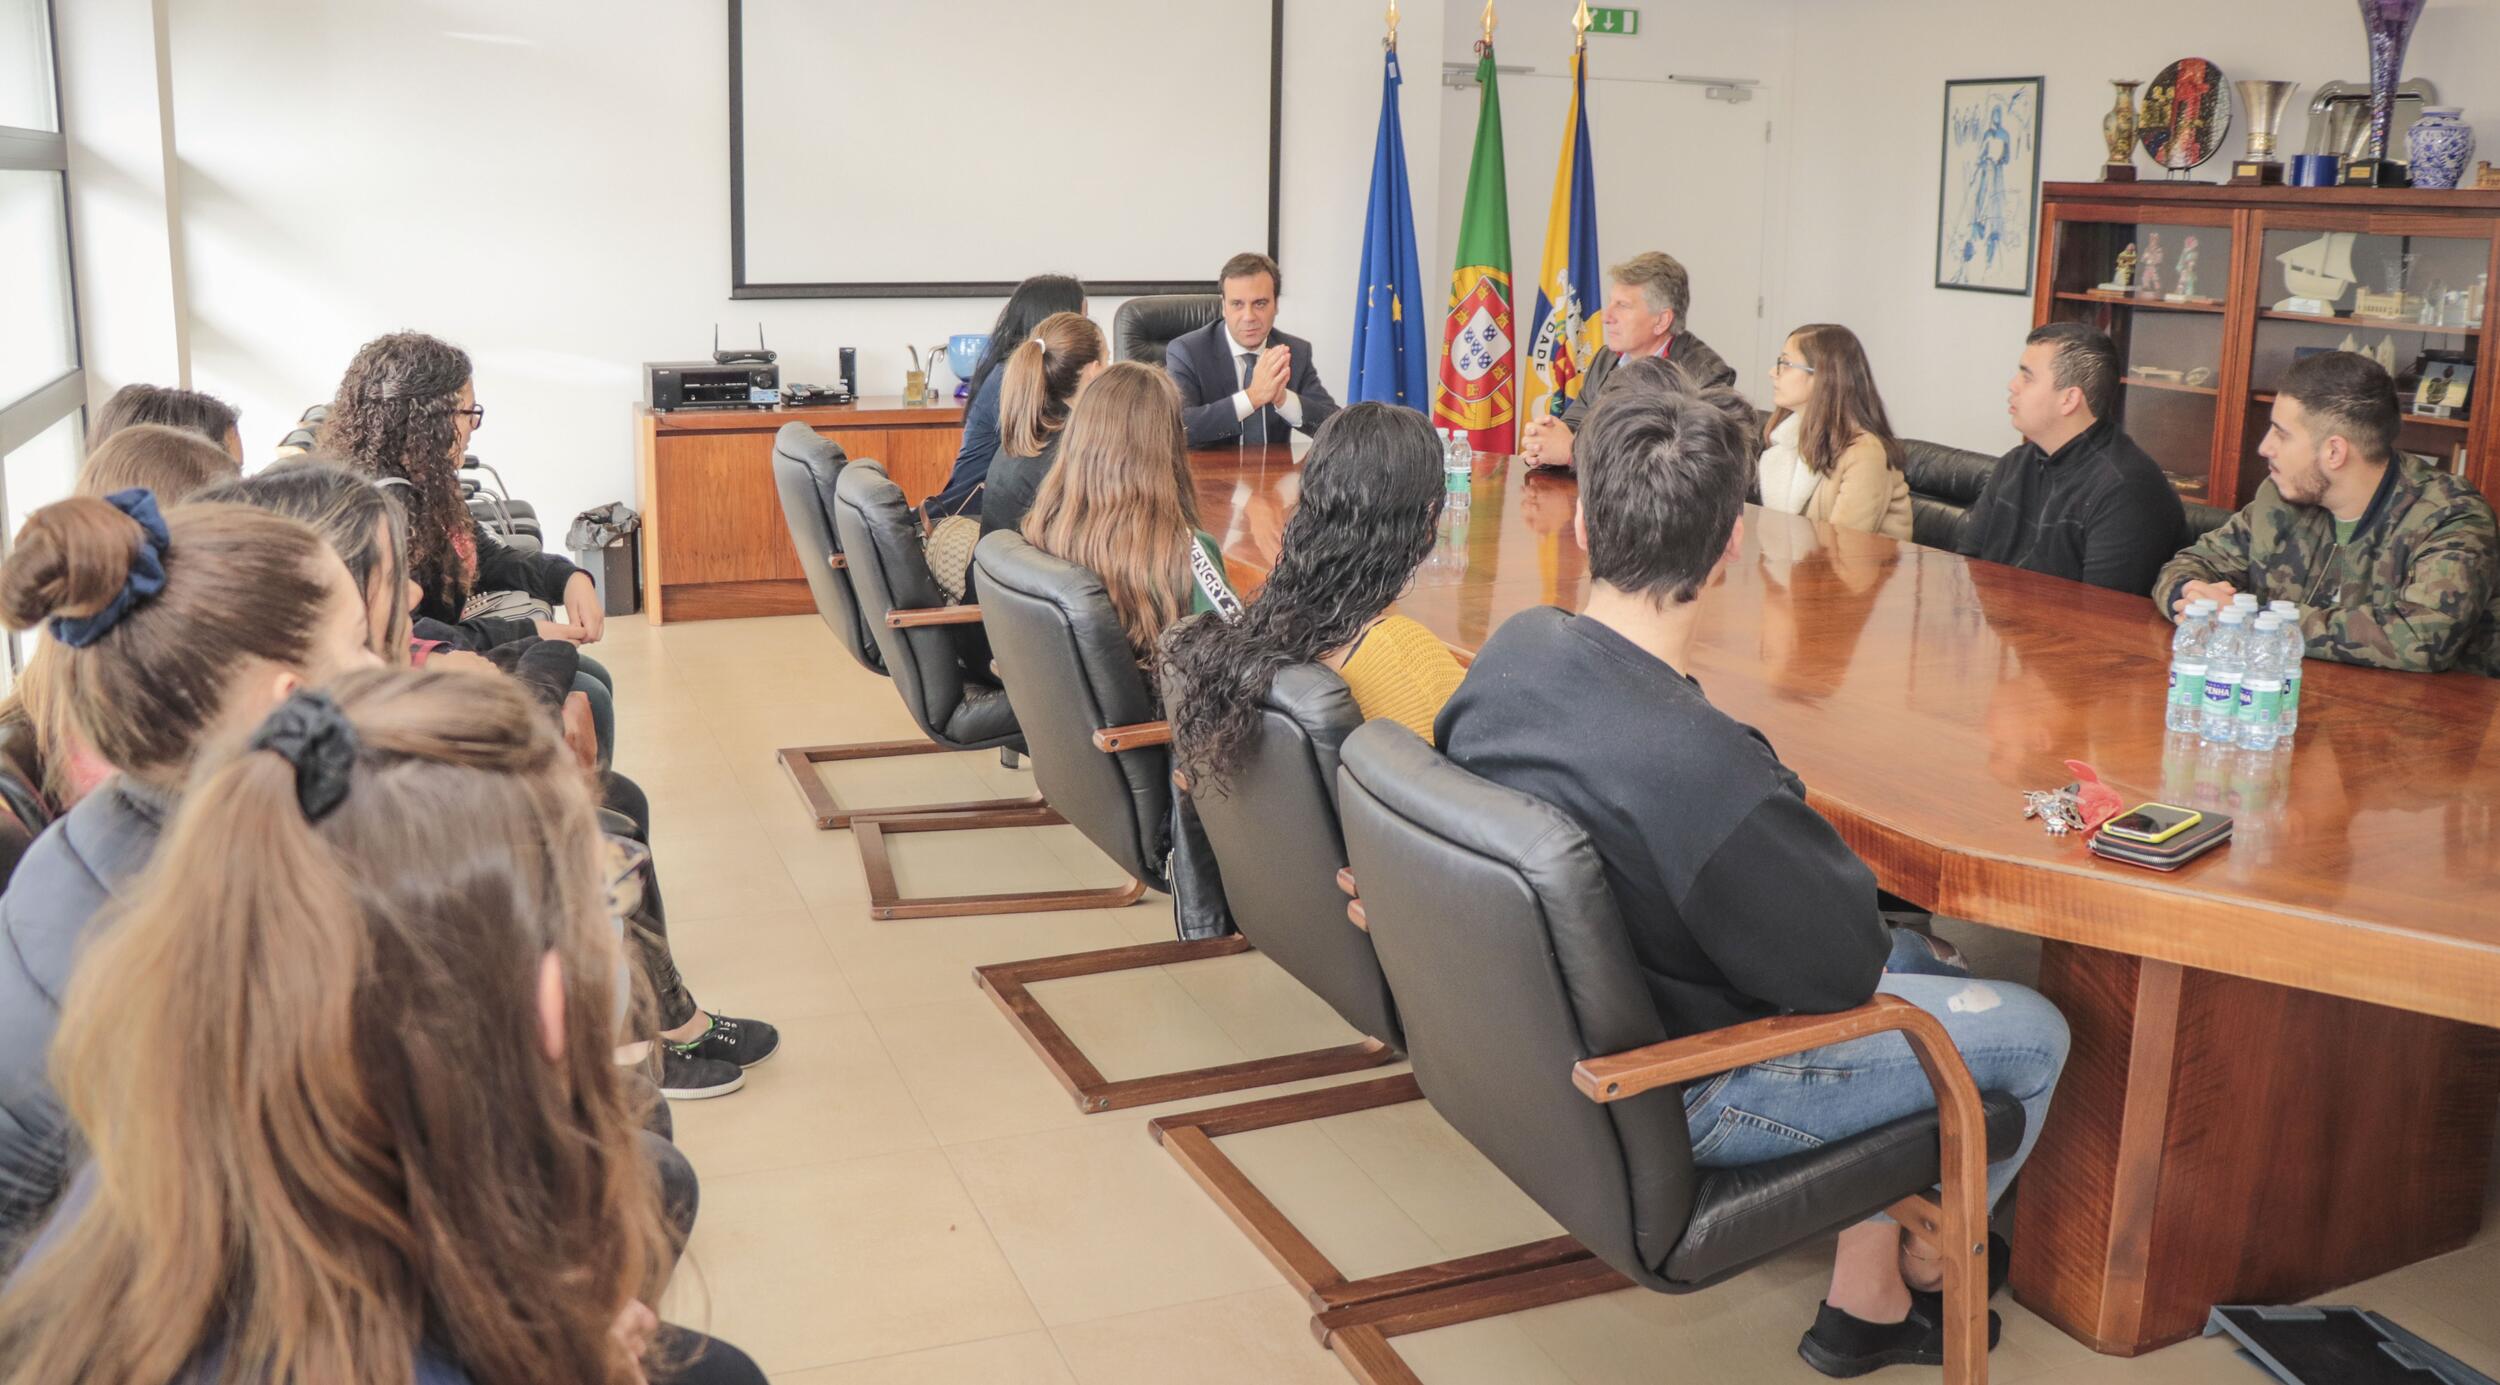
(1120, 503)
(353, 1115)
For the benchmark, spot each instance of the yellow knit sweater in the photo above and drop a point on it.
(1401, 671)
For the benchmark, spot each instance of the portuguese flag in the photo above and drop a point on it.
(1479, 386)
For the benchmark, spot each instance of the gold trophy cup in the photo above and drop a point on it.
(2265, 103)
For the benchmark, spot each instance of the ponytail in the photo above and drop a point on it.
(1044, 373)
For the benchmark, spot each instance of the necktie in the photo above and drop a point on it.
(1250, 367)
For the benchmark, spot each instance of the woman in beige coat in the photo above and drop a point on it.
(1830, 452)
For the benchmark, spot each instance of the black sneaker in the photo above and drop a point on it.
(684, 1077)
(1842, 1346)
(742, 1043)
(1929, 1303)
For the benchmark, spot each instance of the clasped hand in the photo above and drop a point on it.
(1267, 380)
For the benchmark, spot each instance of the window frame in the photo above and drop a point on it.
(26, 417)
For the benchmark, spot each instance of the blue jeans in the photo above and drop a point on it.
(2010, 1037)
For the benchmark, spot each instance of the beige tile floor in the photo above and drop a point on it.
(904, 1197)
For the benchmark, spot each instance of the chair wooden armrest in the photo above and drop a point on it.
(1619, 1075)
(836, 561)
(934, 615)
(1138, 736)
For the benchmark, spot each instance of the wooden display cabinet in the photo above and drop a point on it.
(2200, 368)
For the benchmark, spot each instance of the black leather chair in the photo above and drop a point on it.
(933, 652)
(1276, 821)
(1944, 483)
(1145, 326)
(1532, 1033)
(806, 465)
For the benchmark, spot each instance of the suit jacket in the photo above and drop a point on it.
(1686, 350)
(1203, 366)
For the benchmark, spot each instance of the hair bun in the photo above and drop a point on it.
(72, 559)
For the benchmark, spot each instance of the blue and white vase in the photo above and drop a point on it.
(2441, 144)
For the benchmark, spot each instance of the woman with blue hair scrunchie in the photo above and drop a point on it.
(171, 630)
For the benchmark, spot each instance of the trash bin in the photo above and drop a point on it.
(607, 544)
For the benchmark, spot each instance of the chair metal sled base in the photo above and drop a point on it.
(887, 901)
(1190, 1139)
(798, 761)
(1008, 984)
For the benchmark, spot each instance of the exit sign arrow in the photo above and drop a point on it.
(1615, 21)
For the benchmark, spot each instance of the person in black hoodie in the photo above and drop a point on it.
(2078, 499)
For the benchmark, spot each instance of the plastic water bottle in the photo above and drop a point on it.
(1458, 466)
(2261, 685)
(2225, 662)
(2295, 652)
(2187, 667)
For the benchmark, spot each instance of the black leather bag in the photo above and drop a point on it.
(1198, 908)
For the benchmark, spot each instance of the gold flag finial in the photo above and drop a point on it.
(1393, 23)
(1488, 21)
(1580, 25)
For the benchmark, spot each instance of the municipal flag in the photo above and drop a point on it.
(1568, 330)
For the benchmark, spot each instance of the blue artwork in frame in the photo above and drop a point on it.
(1988, 204)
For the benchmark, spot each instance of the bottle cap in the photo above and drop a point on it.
(2204, 604)
(2235, 616)
(2268, 620)
(2244, 600)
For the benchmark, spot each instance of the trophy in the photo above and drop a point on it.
(2118, 132)
(2265, 103)
(2390, 26)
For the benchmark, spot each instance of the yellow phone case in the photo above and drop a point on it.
(2154, 838)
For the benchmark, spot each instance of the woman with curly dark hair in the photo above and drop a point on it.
(1371, 497)
(403, 414)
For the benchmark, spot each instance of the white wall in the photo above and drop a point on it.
(122, 199)
(1869, 94)
(546, 185)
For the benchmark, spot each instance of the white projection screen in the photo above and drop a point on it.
(889, 150)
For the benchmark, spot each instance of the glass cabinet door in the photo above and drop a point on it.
(2158, 290)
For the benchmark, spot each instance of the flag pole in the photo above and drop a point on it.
(1391, 42)
(1579, 28)
(1487, 41)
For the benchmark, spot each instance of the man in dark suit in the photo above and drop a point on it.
(1240, 379)
(1646, 298)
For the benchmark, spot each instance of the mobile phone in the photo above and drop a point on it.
(2152, 822)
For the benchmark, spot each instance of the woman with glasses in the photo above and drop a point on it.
(1830, 454)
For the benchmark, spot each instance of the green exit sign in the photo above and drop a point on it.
(1614, 21)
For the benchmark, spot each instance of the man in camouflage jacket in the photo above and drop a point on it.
(2393, 564)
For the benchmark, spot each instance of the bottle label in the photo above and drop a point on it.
(2222, 692)
(2261, 699)
(2187, 684)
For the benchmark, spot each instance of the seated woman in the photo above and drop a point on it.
(46, 766)
(350, 1117)
(1044, 376)
(1371, 497)
(171, 631)
(1120, 504)
(702, 1054)
(189, 410)
(1035, 299)
(1831, 455)
(403, 416)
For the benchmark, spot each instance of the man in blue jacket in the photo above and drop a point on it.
(1240, 379)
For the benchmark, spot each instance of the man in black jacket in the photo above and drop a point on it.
(1240, 379)
(2078, 499)
(1739, 900)
(1646, 299)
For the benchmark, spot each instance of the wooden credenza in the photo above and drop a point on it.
(714, 542)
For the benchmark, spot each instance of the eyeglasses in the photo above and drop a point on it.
(476, 414)
(1784, 365)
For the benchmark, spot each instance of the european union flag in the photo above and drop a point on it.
(1389, 359)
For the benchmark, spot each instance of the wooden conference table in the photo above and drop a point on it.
(2281, 1080)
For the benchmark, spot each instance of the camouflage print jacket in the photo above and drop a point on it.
(2417, 588)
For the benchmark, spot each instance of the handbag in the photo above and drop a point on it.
(506, 606)
(1198, 908)
(949, 549)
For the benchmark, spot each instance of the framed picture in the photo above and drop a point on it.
(1988, 200)
(2447, 381)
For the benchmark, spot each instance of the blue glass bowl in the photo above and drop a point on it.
(963, 352)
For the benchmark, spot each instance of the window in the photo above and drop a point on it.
(42, 389)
